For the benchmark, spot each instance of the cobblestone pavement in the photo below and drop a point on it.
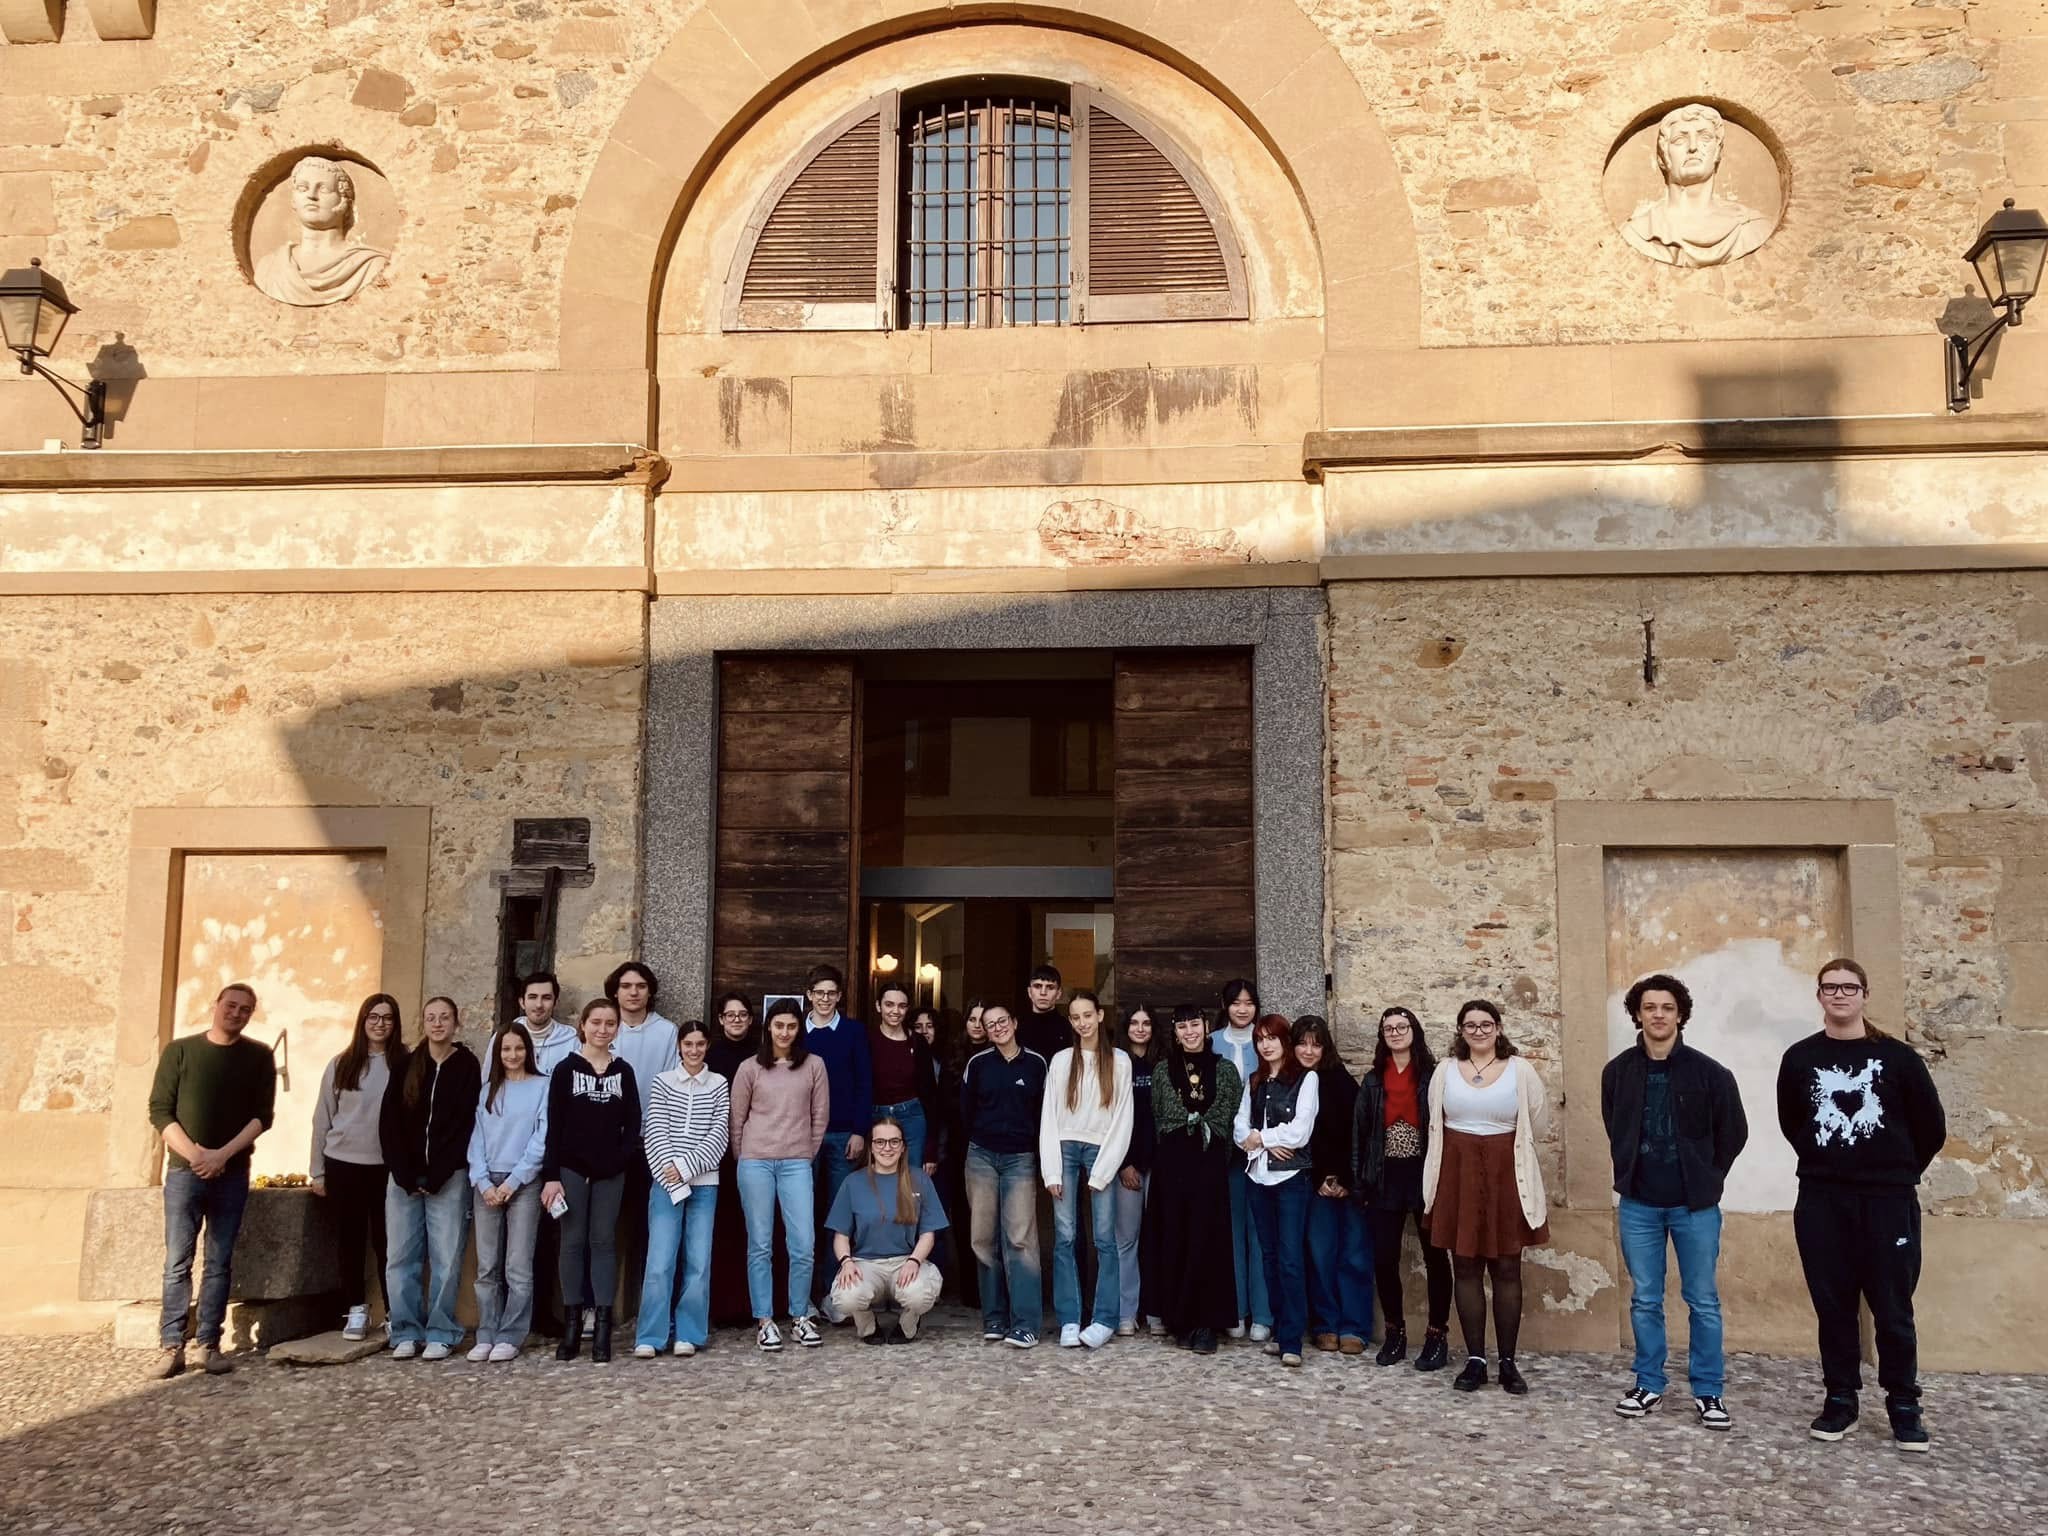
(954, 1435)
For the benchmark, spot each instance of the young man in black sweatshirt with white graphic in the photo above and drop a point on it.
(1860, 1109)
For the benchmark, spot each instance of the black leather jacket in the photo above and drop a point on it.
(1369, 1130)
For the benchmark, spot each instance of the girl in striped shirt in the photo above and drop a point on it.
(689, 1121)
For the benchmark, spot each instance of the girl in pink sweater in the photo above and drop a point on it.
(780, 1108)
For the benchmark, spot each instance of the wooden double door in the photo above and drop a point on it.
(788, 875)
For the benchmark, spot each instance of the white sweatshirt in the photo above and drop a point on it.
(1107, 1130)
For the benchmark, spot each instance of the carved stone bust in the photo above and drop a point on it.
(326, 263)
(1690, 226)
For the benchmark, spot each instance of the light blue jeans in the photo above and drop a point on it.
(1002, 1206)
(427, 1232)
(1130, 1224)
(766, 1183)
(1077, 1158)
(1696, 1238)
(1245, 1258)
(671, 1227)
(833, 1167)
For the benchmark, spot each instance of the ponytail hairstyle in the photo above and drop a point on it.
(416, 1063)
(1104, 1053)
(1844, 963)
(906, 1192)
(349, 1065)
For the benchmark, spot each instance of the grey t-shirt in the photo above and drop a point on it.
(865, 1211)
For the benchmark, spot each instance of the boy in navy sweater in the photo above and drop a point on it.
(842, 1045)
(1000, 1096)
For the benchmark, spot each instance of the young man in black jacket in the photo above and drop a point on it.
(1675, 1126)
(1861, 1110)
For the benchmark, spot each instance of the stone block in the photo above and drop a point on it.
(345, 411)
(137, 1325)
(260, 1324)
(119, 20)
(25, 205)
(152, 232)
(285, 1248)
(381, 91)
(31, 21)
(2020, 692)
(2001, 834)
(328, 1348)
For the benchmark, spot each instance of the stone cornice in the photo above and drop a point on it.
(111, 469)
(1800, 437)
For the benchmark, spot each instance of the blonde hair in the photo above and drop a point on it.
(906, 1194)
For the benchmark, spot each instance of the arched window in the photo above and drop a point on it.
(986, 204)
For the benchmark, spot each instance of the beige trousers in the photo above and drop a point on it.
(877, 1287)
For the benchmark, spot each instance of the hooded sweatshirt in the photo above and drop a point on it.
(426, 1143)
(651, 1047)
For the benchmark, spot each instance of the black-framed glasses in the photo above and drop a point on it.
(1840, 988)
(824, 991)
(886, 1141)
(1481, 1025)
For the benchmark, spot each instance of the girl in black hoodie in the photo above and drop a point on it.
(593, 1133)
(423, 1131)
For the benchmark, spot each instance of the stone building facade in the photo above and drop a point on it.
(1593, 611)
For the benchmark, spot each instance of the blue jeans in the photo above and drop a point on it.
(1077, 1158)
(429, 1232)
(833, 1165)
(189, 1200)
(766, 1183)
(1130, 1226)
(671, 1227)
(1339, 1268)
(916, 1130)
(1245, 1260)
(1280, 1214)
(1696, 1237)
(1002, 1206)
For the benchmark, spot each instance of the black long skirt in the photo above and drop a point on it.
(1187, 1234)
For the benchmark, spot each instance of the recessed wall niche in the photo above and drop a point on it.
(1656, 206)
(315, 226)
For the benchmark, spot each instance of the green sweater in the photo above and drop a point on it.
(212, 1091)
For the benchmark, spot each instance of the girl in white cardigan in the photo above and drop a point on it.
(1084, 1130)
(1481, 1184)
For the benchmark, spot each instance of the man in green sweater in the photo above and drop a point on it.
(214, 1094)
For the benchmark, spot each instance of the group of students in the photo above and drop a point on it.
(1240, 1182)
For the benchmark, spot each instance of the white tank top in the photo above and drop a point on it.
(1487, 1111)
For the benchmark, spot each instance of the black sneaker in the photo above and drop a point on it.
(1511, 1380)
(1436, 1351)
(879, 1336)
(1395, 1349)
(1202, 1341)
(1908, 1433)
(1713, 1414)
(1638, 1402)
(1472, 1378)
(1837, 1417)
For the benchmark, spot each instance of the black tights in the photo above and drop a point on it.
(1507, 1302)
(1386, 1228)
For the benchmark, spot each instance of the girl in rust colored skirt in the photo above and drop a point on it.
(1481, 1185)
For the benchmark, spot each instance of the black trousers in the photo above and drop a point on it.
(1862, 1244)
(1385, 1227)
(355, 1191)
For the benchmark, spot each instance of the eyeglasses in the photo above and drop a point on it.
(886, 1141)
(382, 1018)
(1396, 1027)
(824, 992)
(735, 1013)
(1840, 988)
(1478, 1026)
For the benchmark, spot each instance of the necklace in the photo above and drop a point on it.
(1479, 1074)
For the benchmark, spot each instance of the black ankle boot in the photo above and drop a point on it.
(1473, 1377)
(572, 1334)
(601, 1337)
(1511, 1379)
(1436, 1351)
(1395, 1347)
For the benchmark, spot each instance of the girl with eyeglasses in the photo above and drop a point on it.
(884, 1223)
(347, 1164)
(1390, 1134)
(1481, 1184)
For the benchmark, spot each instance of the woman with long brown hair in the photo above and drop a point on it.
(1275, 1119)
(424, 1127)
(1482, 1186)
(1390, 1133)
(593, 1134)
(505, 1154)
(1195, 1095)
(1084, 1129)
(347, 1164)
(734, 1039)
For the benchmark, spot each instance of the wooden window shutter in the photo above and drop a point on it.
(783, 894)
(819, 253)
(1185, 901)
(1150, 240)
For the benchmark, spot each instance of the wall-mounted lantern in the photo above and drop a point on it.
(2008, 257)
(33, 309)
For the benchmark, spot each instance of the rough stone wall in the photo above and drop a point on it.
(1461, 710)
(484, 708)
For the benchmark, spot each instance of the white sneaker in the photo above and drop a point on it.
(435, 1351)
(357, 1324)
(768, 1337)
(1128, 1328)
(405, 1349)
(805, 1331)
(1070, 1336)
(644, 1351)
(1261, 1332)
(1095, 1335)
(1156, 1327)
(479, 1352)
(684, 1350)
(1235, 1331)
(502, 1352)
